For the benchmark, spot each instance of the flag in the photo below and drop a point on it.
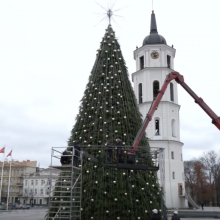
(9, 154)
(2, 150)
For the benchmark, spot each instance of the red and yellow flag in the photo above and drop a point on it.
(2, 150)
(9, 153)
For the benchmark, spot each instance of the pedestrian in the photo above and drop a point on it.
(76, 151)
(155, 215)
(119, 145)
(65, 158)
(109, 152)
(202, 205)
(166, 211)
(175, 216)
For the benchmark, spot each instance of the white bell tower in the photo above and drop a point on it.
(154, 61)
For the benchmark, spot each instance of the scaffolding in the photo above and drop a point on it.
(65, 199)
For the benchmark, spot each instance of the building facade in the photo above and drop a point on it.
(154, 61)
(18, 171)
(36, 188)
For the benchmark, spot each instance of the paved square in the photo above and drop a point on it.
(33, 214)
(38, 214)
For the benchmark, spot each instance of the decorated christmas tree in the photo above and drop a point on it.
(108, 108)
(109, 111)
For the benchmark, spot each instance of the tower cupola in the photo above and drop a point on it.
(154, 37)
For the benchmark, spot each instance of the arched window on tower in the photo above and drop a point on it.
(173, 174)
(172, 155)
(168, 61)
(156, 87)
(140, 93)
(157, 127)
(141, 62)
(171, 92)
(173, 128)
(180, 189)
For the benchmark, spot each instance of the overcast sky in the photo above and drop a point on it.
(48, 48)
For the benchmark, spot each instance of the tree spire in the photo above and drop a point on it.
(109, 14)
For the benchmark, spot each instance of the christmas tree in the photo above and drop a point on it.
(109, 111)
(108, 108)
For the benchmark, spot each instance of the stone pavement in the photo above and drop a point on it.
(38, 214)
(197, 218)
(32, 214)
(211, 209)
(206, 209)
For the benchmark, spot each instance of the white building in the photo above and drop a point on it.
(154, 61)
(36, 188)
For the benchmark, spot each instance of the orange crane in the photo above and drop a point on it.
(179, 79)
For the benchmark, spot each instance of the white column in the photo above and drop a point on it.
(2, 175)
(137, 62)
(146, 58)
(9, 182)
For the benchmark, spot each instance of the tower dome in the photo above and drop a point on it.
(154, 37)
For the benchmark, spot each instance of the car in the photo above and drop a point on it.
(17, 206)
(3, 206)
(24, 206)
(11, 205)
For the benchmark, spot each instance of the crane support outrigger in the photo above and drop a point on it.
(179, 79)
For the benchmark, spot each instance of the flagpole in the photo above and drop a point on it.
(9, 182)
(2, 175)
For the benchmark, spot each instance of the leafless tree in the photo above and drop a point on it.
(197, 181)
(211, 161)
(190, 178)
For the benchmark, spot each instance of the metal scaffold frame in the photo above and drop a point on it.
(66, 195)
(161, 162)
(161, 177)
(65, 199)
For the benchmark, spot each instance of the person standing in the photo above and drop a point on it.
(155, 215)
(119, 145)
(109, 152)
(65, 158)
(202, 205)
(175, 216)
(76, 155)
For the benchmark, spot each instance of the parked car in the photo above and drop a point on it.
(18, 206)
(11, 205)
(24, 206)
(3, 206)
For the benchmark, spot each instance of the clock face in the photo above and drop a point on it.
(154, 54)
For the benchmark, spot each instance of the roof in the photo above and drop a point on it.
(43, 172)
(154, 37)
(26, 163)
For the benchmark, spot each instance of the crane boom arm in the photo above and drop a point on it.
(179, 79)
